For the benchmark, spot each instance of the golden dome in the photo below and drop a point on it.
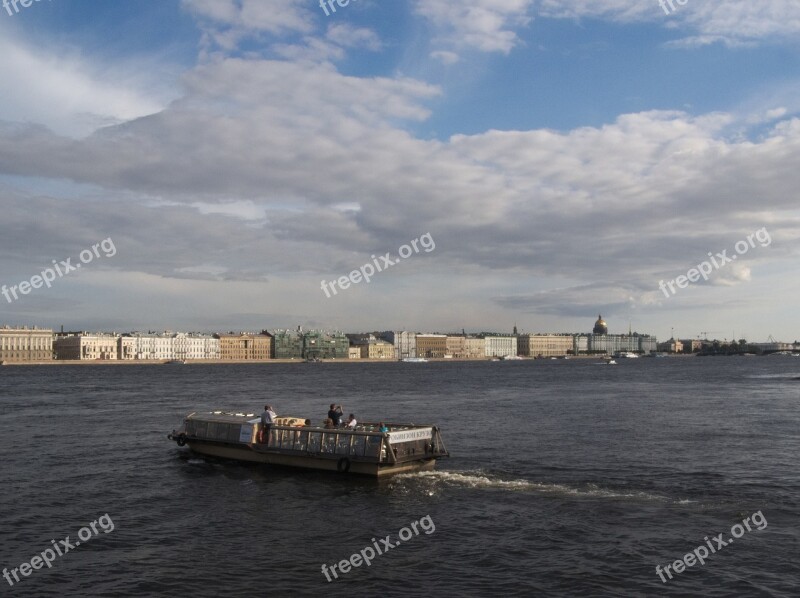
(600, 327)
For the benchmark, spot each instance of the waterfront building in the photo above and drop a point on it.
(693, 345)
(474, 348)
(455, 346)
(670, 346)
(461, 346)
(319, 344)
(599, 342)
(377, 349)
(245, 346)
(405, 343)
(370, 346)
(150, 346)
(354, 353)
(25, 344)
(287, 344)
(499, 345)
(85, 346)
(546, 345)
(431, 345)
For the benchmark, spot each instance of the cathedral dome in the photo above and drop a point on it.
(600, 327)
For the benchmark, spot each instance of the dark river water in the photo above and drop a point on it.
(567, 478)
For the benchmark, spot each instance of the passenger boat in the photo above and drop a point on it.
(625, 355)
(414, 360)
(364, 450)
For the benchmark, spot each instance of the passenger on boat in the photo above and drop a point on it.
(383, 427)
(336, 413)
(351, 421)
(267, 419)
(329, 423)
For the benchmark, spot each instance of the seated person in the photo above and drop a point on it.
(329, 423)
(383, 427)
(351, 421)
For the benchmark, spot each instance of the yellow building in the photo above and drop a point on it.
(377, 349)
(546, 345)
(465, 347)
(25, 344)
(244, 346)
(354, 352)
(431, 345)
(474, 348)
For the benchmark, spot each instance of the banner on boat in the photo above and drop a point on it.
(409, 435)
(246, 433)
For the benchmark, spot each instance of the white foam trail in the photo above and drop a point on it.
(481, 480)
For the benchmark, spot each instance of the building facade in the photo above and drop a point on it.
(85, 346)
(318, 344)
(546, 345)
(25, 344)
(245, 346)
(599, 342)
(431, 345)
(377, 349)
(405, 343)
(287, 344)
(500, 346)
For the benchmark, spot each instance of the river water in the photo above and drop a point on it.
(566, 478)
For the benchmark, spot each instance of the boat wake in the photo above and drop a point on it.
(434, 481)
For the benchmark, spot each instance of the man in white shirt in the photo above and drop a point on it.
(267, 419)
(351, 421)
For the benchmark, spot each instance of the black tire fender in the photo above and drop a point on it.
(343, 465)
(181, 440)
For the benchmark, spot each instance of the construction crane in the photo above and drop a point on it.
(705, 333)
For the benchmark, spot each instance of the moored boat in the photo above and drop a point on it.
(414, 360)
(364, 450)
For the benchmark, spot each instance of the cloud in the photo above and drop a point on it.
(280, 174)
(734, 22)
(63, 90)
(486, 25)
(446, 58)
(227, 22)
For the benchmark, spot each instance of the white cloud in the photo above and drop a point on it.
(446, 58)
(69, 94)
(488, 25)
(227, 22)
(733, 22)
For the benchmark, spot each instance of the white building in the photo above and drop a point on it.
(167, 346)
(500, 346)
(86, 346)
(405, 343)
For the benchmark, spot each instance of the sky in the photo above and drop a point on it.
(210, 163)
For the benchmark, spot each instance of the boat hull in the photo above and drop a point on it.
(334, 464)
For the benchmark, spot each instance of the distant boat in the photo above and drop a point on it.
(414, 360)
(625, 355)
(609, 362)
(511, 357)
